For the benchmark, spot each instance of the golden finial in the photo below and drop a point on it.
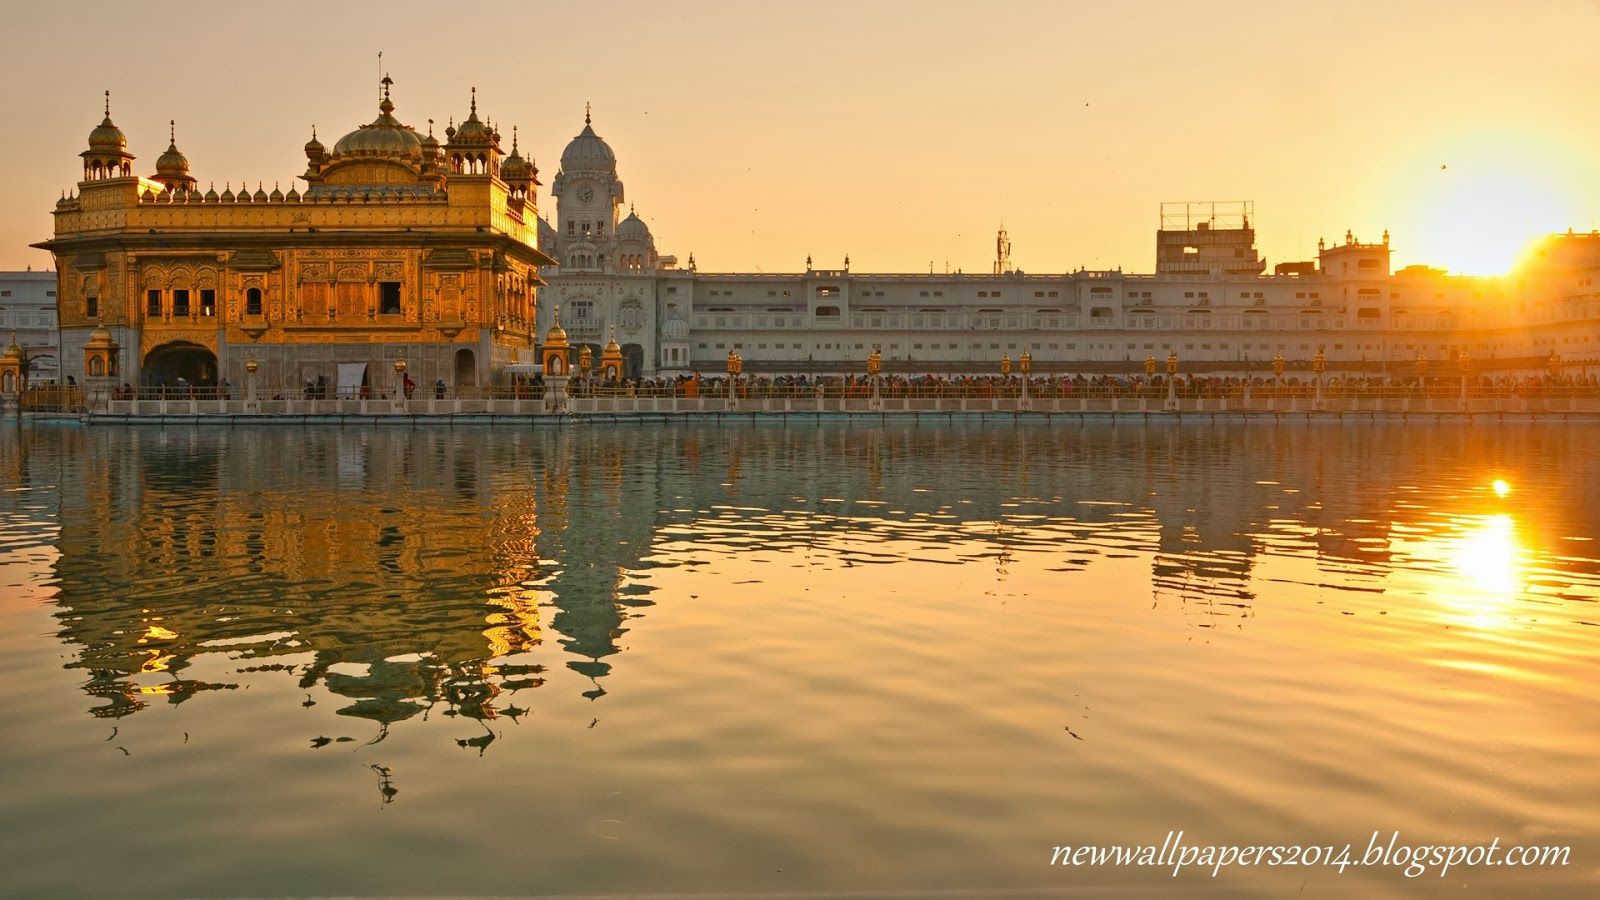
(108, 104)
(430, 128)
(474, 99)
(172, 132)
(585, 110)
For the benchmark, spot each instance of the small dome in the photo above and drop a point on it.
(293, 196)
(676, 326)
(612, 348)
(276, 196)
(515, 168)
(107, 136)
(633, 228)
(100, 338)
(211, 194)
(227, 193)
(314, 148)
(556, 336)
(473, 130)
(13, 351)
(588, 151)
(260, 196)
(172, 162)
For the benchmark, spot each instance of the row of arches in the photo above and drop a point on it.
(196, 365)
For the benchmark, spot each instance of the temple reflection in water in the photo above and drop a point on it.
(405, 571)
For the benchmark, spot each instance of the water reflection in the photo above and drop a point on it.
(403, 573)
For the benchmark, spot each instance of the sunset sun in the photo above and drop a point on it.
(1478, 215)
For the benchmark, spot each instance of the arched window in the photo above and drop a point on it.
(252, 302)
(97, 367)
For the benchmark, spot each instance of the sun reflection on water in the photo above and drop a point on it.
(1488, 561)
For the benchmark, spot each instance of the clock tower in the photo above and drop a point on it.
(588, 197)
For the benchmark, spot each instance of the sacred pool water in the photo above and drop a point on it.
(801, 659)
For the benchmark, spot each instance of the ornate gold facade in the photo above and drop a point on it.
(399, 247)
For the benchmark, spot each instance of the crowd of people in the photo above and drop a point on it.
(933, 386)
(949, 386)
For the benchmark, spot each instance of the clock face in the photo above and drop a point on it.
(585, 193)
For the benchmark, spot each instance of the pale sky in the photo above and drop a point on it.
(901, 133)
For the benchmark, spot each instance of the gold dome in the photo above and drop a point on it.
(515, 168)
(473, 130)
(13, 351)
(556, 336)
(385, 136)
(107, 136)
(172, 162)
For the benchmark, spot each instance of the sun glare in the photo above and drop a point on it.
(1479, 211)
(1487, 559)
(1501, 488)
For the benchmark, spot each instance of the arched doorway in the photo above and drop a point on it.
(632, 361)
(466, 368)
(164, 365)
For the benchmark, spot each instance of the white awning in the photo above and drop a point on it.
(351, 377)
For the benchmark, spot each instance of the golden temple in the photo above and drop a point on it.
(399, 247)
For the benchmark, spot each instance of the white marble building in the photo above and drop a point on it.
(28, 316)
(1210, 300)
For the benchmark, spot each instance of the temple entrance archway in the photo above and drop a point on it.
(466, 368)
(632, 361)
(165, 364)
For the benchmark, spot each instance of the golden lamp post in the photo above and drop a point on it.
(399, 384)
(250, 369)
(1422, 370)
(1555, 364)
(1464, 365)
(1172, 380)
(1277, 373)
(735, 367)
(1149, 372)
(874, 371)
(1319, 365)
(1025, 366)
(585, 359)
(1005, 365)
